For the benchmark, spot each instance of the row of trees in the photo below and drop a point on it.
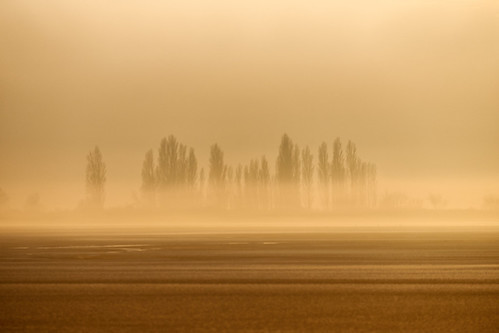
(343, 180)
(174, 177)
(175, 180)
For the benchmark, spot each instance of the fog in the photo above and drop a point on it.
(413, 83)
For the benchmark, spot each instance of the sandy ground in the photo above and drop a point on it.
(295, 282)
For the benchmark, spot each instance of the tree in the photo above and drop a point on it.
(217, 174)
(307, 175)
(251, 183)
(297, 168)
(192, 168)
(288, 172)
(352, 164)
(202, 180)
(371, 185)
(323, 173)
(238, 180)
(264, 183)
(167, 162)
(217, 166)
(176, 174)
(148, 177)
(95, 178)
(338, 173)
(285, 172)
(229, 187)
(362, 185)
(181, 167)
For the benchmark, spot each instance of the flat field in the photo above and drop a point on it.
(343, 281)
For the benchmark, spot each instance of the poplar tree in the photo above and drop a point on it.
(95, 178)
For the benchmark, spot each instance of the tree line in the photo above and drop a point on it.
(337, 178)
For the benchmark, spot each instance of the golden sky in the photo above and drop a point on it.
(414, 83)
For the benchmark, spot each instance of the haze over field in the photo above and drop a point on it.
(235, 166)
(413, 83)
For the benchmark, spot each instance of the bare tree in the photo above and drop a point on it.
(352, 162)
(362, 183)
(176, 173)
(285, 161)
(217, 166)
(307, 175)
(238, 180)
(181, 170)
(95, 178)
(297, 167)
(371, 185)
(202, 181)
(338, 174)
(217, 175)
(192, 169)
(264, 184)
(230, 187)
(288, 172)
(251, 184)
(148, 178)
(323, 173)
(167, 162)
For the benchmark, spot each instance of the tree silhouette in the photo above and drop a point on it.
(256, 189)
(95, 178)
(192, 169)
(238, 182)
(371, 185)
(217, 175)
(323, 173)
(229, 187)
(148, 178)
(217, 166)
(264, 184)
(297, 167)
(288, 173)
(252, 185)
(352, 165)
(176, 172)
(202, 181)
(167, 162)
(362, 182)
(338, 174)
(285, 172)
(181, 167)
(307, 175)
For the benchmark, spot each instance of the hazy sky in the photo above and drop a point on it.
(414, 83)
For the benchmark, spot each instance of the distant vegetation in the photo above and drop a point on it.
(173, 178)
(95, 179)
(334, 178)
